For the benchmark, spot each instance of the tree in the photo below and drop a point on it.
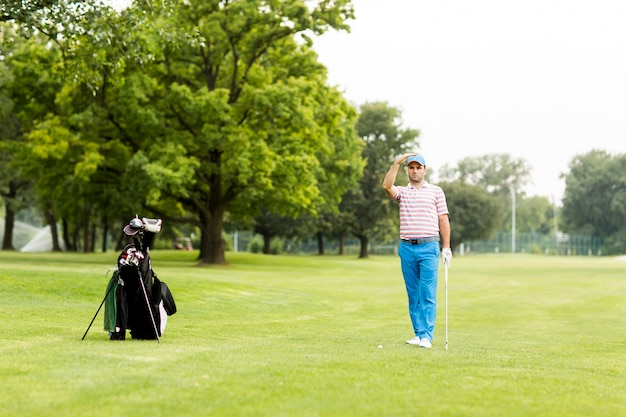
(340, 170)
(26, 95)
(474, 213)
(22, 10)
(54, 147)
(535, 215)
(371, 213)
(270, 225)
(195, 110)
(595, 198)
(498, 174)
(245, 110)
(79, 37)
(11, 181)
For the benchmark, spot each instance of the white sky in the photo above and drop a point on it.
(541, 80)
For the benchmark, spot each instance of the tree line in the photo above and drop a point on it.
(214, 115)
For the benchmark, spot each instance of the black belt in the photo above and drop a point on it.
(421, 240)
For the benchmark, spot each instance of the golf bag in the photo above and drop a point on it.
(136, 299)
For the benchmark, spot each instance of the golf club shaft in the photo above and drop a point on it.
(145, 294)
(446, 279)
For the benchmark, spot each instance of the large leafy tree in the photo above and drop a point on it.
(11, 180)
(340, 170)
(595, 198)
(237, 113)
(496, 173)
(370, 212)
(474, 213)
(60, 144)
(27, 92)
(245, 110)
(60, 75)
(340, 166)
(196, 108)
(45, 13)
(499, 174)
(22, 10)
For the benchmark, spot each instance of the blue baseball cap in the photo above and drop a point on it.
(416, 158)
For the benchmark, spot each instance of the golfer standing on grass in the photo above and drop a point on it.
(424, 224)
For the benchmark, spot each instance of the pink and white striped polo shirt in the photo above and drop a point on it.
(420, 209)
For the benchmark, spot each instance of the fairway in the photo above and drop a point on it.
(299, 336)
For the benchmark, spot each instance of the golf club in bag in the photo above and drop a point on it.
(135, 298)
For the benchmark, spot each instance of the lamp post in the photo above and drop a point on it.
(556, 226)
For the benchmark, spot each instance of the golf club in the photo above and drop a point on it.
(145, 294)
(446, 285)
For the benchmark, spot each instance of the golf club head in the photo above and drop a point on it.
(152, 225)
(134, 226)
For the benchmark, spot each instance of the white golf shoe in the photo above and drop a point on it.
(425, 343)
(414, 341)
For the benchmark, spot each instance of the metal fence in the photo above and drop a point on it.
(561, 244)
(241, 242)
(553, 244)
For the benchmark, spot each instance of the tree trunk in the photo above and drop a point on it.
(364, 252)
(267, 240)
(92, 244)
(66, 236)
(119, 235)
(203, 244)
(105, 235)
(341, 243)
(212, 245)
(86, 236)
(320, 243)
(75, 237)
(9, 222)
(54, 232)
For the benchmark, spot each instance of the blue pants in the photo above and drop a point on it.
(420, 268)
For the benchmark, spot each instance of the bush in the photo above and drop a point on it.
(256, 245)
(276, 246)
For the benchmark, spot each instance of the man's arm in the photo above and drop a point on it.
(390, 177)
(444, 230)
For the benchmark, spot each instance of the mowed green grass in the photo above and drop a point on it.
(300, 335)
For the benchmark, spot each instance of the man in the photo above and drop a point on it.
(424, 223)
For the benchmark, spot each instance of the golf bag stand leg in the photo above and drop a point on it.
(95, 315)
(148, 306)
